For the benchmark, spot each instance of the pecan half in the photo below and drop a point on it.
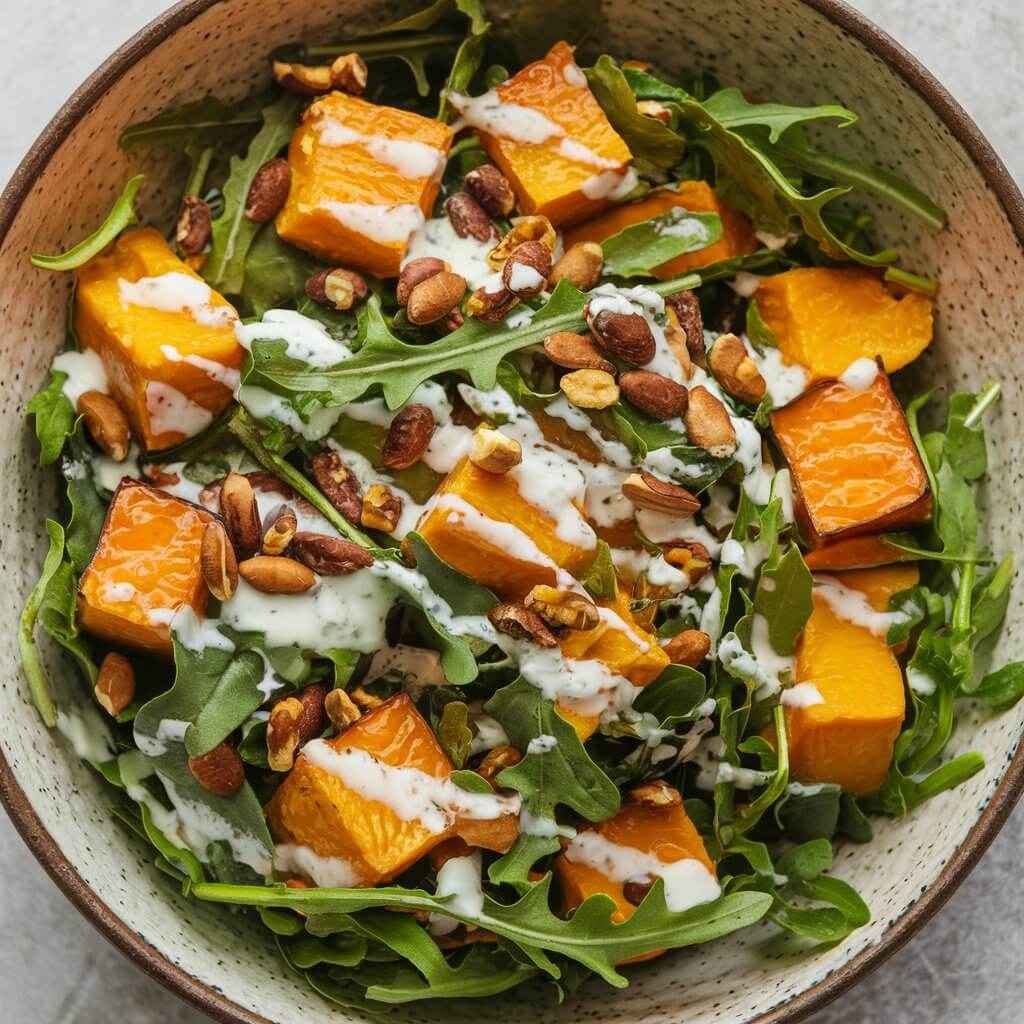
(382, 508)
(469, 218)
(329, 556)
(218, 563)
(341, 710)
(349, 74)
(534, 228)
(241, 515)
(563, 607)
(581, 265)
(646, 491)
(194, 226)
(625, 336)
(279, 532)
(686, 307)
(107, 424)
(522, 623)
(268, 191)
(220, 771)
(497, 760)
(284, 733)
(575, 352)
(313, 719)
(115, 683)
(275, 574)
(708, 424)
(654, 394)
(491, 189)
(338, 288)
(689, 557)
(338, 483)
(408, 437)
(490, 307)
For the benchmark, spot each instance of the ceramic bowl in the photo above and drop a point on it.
(791, 50)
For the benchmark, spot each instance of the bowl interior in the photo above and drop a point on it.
(784, 49)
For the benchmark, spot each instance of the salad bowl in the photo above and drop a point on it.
(796, 51)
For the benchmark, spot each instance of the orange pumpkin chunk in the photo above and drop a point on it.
(577, 159)
(167, 341)
(364, 178)
(855, 466)
(314, 808)
(848, 739)
(145, 569)
(665, 833)
(855, 553)
(827, 319)
(737, 239)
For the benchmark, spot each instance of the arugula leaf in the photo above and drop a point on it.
(1002, 688)
(562, 774)
(599, 579)
(233, 232)
(468, 58)
(809, 812)
(454, 734)
(636, 250)
(88, 509)
(200, 120)
(733, 110)
(465, 597)
(759, 334)
(54, 418)
(589, 936)
(672, 697)
(121, 215)
(784, 598)
(648, 138)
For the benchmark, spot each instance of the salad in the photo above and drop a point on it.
(500, 539)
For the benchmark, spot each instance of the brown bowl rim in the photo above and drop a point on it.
(215, 1004)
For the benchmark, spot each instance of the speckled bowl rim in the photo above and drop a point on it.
(208, 999)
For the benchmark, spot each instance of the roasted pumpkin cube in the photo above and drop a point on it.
(166, 339)
(316, 809)
(664, 834)
(561, 155)
(855, 553)
(364, 178)
(146, 568)
(827, 319)
(738, 238)
(855, 466)
(848, 739)
(470, 498)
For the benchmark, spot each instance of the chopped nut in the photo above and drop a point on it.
(349, 74)
(686, 307)
(338, 288)
(563, 607)
(241, 515)
(363, 699)
(654, 394)
(515, 620)
(497, 760)
(194, 226)
(634, 890)
(218, 563)
(469, 218)
(575, 352)
(590, 389)
(688, 648)
(735, 370)
(382, 508)
(220, 771)
(329, 556)
(675, 337)
(490, 307)
(115, 683)
(494, 451)
(268, 191)
(279, 533)
(491, 189)
(416, 271)
(303, 79)
(688, 556)
(107, 424)
(338, 484)
(314, 716)
(283, 733)
(526, 270)
(655, 793)
(524, 229)
(408, 437)
(652, 108)
(708, 424)
(452, 322)
(581, 265)
(645, 490)
(625, 336)
(341, 710)
(435, 297)
(275, 574)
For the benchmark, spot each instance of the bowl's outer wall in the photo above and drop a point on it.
(792, 53)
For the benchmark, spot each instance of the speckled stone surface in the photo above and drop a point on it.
(962, 967)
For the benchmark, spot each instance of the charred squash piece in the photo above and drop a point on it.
(145, 569)
(166, 340)
(849, 738)
(855, 553)
(826, 319)
(737, 239)
(855, 466)
(364, 177)
(316, 809)
(566, 176)
(663, 832)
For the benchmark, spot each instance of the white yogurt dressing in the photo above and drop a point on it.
(171, 411)
(85, 372)
(305, 339)
(175, 292)
(860, 374)
(460, 878)
(803, 695)
(410, 159)
(226, 375)
(783, 381)
(761, 664)
(688, 882)
(851, 605)
(328, 872)
(466, 256)
(382, 223)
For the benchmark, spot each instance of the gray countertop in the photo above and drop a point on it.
(964, 966)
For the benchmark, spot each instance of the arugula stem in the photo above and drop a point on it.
(986, 399)
(38, 685)
(387, 46)
(194, 185)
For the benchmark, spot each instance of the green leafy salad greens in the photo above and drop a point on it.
(633, 648)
